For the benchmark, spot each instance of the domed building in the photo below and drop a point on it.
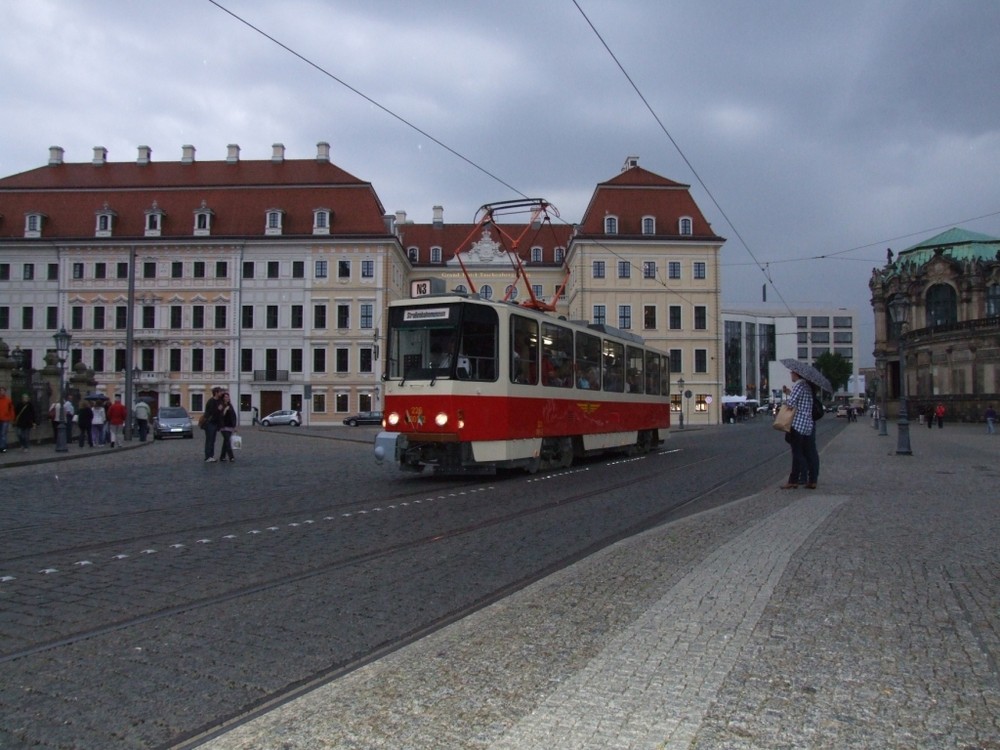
(945, 293)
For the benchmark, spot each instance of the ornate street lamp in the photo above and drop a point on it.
(62, 349)
(680, 388)
(898, 309)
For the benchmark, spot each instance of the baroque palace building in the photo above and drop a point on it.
(950, 341)
(271, 277)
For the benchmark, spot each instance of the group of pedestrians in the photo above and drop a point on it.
(22, 417)
(219, 417)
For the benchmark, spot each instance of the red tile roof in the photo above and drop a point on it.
(238, 193)
(636, 193)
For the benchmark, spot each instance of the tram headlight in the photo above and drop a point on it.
(441, 419)
(393, 418)
(460, 420)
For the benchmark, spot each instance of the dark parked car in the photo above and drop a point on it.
(172, 421)
(285, 416)
(365, 417)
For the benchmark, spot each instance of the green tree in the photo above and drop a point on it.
(835, 367)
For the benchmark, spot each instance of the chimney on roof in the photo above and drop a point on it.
(323, 151)
(439, 216)
(55, 155)
(187, 154)
(630, 163)
(145, 153)
(100, 156)
(278, 153)
(400, 217)
(232, 153)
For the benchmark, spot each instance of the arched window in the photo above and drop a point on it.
(942, 305)
(611, 225)
(486, 291)
(992, 300)
(685, 225)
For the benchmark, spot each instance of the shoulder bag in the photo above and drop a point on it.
(783, 419)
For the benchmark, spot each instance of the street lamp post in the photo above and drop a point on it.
(62, 349)
(680, 387)
(898, 309)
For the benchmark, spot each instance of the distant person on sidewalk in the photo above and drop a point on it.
(25, 420)
(939, 413)
(7, 415)
(84, 420)
(97, 420)
(210, 423)
(228, 422)
(117, 414)
(991, 420)
(141, 412)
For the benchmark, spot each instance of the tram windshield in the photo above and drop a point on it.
(450, 340)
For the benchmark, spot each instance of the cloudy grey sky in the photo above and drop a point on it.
(806, 129)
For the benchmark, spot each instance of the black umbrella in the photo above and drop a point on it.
(96, 397)
(808, 372)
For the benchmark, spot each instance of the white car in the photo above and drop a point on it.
(285, 416)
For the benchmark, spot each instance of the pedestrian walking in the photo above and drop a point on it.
(117, 414)
(141, 412)
(25, 420)
(991, 420)
(228, 421)
(97, 421)
(84, 421)
(69, 411)
(209, 422)
(939, 413)
(7, 415)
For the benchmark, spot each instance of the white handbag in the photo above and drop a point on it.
(236, 441)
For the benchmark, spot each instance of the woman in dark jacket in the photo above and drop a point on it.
(228, 422)
(25, 420)
(84, 420)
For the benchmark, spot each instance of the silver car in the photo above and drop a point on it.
(284, 416)
(172, 421)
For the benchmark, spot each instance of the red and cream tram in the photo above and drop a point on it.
(473, 385)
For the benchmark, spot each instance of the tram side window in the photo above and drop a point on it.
(665, 375)
(614, 366)
(523, 350)
(588, 361)
(636, 380)
(557, 356)
(477, 346)
(652, 373)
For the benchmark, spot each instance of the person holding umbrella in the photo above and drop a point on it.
(802, 438)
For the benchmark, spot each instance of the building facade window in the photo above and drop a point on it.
(676, 361)
(699, 268)
(597, 269)
(248, 269)
(272, 221)
(611, 225)
(625, 317)
(343, 269)
(319, 316)
(649, 269)
(271, 315)
(273, 269)
(367, 315)
(648, 225)
(176, 316)
(700, 318)
(220, 316)
(536, 255)
(600, 314)
(674, 320)
(674, 269)
(176, 269)
(942, 305)
(321, 269)
(298, 316)
(701, 360)
(435, 255)
(343, 316)
(367, 269)
(684, 226)
(321, 220)
(343, 360)
(298, 269)
(649, 317)
(319, 360)
(624, 269)
(247, 319)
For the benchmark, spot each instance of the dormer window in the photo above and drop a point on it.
(435, 255)
(154, 221)
(648, 225)
(414, 254)
(536, 255)
(105, 222)
(560, 254)
(203, 220)
(685, 226)
(321, 220)
(611, 225)
(273, 221)
(33, 224)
